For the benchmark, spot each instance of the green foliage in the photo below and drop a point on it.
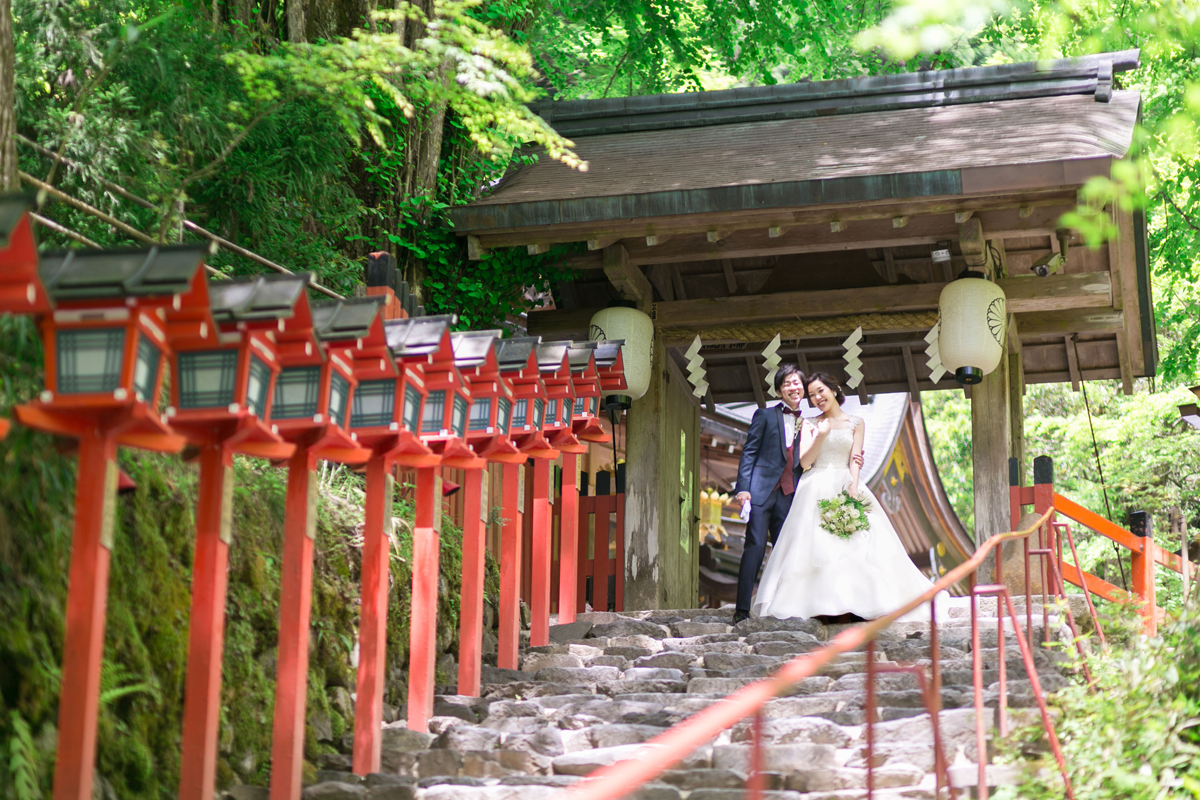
(474, 69)
(117, 682)
(608, 48)
(1136, 737)
(22, 760)
(948, 426)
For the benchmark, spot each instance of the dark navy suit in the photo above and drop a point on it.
(764, 457)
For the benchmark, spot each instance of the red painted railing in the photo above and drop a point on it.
(1144, 554)
(664, 751)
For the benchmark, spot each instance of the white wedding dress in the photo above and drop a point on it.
(812, 572)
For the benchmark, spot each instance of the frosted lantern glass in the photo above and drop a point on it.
(973, 317)
(637, 329)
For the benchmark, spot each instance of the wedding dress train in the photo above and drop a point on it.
(811, 572)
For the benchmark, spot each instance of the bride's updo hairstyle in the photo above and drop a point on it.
(829, 381)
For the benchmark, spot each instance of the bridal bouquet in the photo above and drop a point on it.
(844, 515)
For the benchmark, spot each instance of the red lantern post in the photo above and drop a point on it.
(586, 428)
(311, 405)
(443, 430)
(21, 290)
(475, 355)
(555, 369)
(105, 344)
(223, 369)
(519, 366)
(386, 418)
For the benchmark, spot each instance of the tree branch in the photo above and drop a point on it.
(212, 166)
(1166, 196)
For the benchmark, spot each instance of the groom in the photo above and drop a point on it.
(767, 476)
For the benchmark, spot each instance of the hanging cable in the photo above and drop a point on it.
(1103, 485)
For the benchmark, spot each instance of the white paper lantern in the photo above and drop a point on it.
(973, 317)
(637, 329)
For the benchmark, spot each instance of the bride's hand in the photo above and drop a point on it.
(852, 489)
(822, 426)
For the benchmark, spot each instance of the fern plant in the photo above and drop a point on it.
(23, 769)
(114, 684)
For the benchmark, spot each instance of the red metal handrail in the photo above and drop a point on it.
(667, 749)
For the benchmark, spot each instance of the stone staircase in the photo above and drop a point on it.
(611, 681)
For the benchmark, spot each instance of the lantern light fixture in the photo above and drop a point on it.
(621, 321)
(555, 367)
(223, 366)
(972, 323)
(476, 354)
(586, 378)
(518, 360)
(21, 289)
(107, 338)
(441, 421)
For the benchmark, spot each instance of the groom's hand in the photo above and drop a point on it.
(857, 458)
(742, 497)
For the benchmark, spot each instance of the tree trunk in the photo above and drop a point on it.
(296, 20)
(8, 95)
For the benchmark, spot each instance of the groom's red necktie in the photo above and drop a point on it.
(787, 481)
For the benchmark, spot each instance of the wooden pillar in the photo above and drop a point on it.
(539, 587)
(644, 430)
(422, 649)
(990, 451)
(87, 605)
(372, 626)
(206, 625)
(295, 607)
(512, 500)
(662, 463)
(470, 627)
(568, 540)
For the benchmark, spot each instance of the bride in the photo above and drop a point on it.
(812, 572)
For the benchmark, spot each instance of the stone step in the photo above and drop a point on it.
(610, 682)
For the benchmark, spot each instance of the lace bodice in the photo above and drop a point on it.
(835, 450)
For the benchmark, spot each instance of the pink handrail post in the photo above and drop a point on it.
(1002, 594)
(1087, 596)
(1002, 674)
(755, 780)
(870, 719)
(935, 679)
(977, 682)
(932, 706)
(1087, 673)
(1040, 696)
(1028, 593)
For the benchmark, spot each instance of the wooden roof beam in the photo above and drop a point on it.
(1072, 361)
(1025, 294)
(730, 278)
(879, 233)
(910, 372)
(756, 381)
(601, 242)
(779, 221)
(629, 280)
